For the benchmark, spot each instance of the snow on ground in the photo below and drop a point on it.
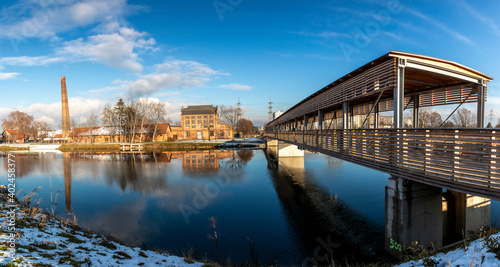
(57, 244)
(476, 254)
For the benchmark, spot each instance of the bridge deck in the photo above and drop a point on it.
(463, 160)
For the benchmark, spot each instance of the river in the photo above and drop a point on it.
(327, 209)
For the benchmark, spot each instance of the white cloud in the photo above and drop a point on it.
(172, 74)
(79, 109)
(26, 61)
(116, 49)
(440, 25)
(8, 75)
(236, 86)
(324, 35)
(480, 16)
(46, 18)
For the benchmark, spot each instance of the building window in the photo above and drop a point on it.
(211, 116)
(193, 126)
(211, 121)
(199, 126)
(193, 122)
(205, 116)
(187, 134)
(211, 133)
(228, 133)
(187, 126)
(221, 133)
(188, 156)
(187, 122)
(199, 117)
(188, 161)
(199, 121)
(211, 126)
(205, 121)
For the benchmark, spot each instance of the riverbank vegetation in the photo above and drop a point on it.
(147, 147)
(12, 148)
(42, 240)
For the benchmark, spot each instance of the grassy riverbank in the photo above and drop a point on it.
(148, 147)
(42, 240)
(13, 148)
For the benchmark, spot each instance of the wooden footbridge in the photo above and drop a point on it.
(343, 120)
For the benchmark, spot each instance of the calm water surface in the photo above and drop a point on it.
(165, 200)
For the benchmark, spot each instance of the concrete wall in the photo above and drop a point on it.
(413, 214)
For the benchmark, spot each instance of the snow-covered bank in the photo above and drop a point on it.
(250, 142)
(483, 252)
(43, 241)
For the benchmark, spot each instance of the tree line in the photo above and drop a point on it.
(24, 122)
(462, 118)
(132, 118)
(233, 116)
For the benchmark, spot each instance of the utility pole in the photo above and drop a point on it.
(270, 110)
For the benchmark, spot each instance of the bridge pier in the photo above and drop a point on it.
(413, 213)
(282, 150)
(421, 213)
(464, 214)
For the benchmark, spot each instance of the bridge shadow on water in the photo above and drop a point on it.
(325, 228)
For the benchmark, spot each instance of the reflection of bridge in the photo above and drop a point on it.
(315, 215)
(342, 120)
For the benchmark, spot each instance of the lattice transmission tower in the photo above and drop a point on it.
(270, 110)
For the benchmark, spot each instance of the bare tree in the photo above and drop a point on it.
(464, 118)
(229, 115)
(143, 113)
(39, 130)
(158, 114)
(491, 116)
(92, 122)
(131, 119)
(18, 120)
(426, 118)
(110, 119)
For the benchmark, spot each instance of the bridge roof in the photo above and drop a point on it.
(423, 74)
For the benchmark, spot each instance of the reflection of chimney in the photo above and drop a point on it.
(65, 109)
(67, 180)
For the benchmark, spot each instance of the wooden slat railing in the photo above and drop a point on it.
(464, 160)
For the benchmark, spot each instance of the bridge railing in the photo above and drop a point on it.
(458, 159)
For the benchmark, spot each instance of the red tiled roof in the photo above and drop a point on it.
(14, 132)
(78, 131)
(58, 136)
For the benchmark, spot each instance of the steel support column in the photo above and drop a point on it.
(399, 94)
(416, 109)
(345, 115)
(481, 91)
(320, 120)
(376, 117)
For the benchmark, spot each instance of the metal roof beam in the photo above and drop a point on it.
(430, 69)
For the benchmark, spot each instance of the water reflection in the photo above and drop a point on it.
(325, 226)
(291, 214)
(67, 180)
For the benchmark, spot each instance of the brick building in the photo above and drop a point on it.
(13, 136)
(202, 123)
(102, 134)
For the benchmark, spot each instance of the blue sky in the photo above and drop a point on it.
(189, 52)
